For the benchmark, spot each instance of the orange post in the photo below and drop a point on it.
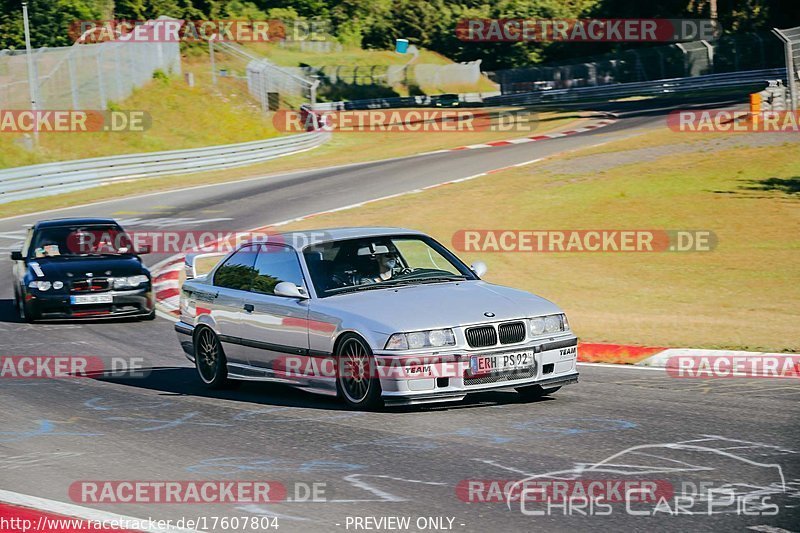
(755, 108)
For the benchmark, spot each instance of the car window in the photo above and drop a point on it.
(65, 241)
(275, 264)
(238, 272)
(382, 261)
(416, 254)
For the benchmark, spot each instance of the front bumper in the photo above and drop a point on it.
(137, 302)
(555, 366)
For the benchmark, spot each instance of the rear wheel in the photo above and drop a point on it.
(357, 381)
(209, 359)
(535, 391)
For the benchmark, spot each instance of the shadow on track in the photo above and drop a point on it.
(183, 381)
(8, 312)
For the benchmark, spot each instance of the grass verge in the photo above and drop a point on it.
(182, 117)
(741, 295)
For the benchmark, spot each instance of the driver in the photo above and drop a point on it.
(387, 267)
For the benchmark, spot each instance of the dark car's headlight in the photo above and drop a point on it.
(431, 338)
(40, 285)
(542, 325)
(130, 282)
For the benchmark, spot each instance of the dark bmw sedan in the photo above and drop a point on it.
(80, 268)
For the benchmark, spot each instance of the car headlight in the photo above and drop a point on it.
(130, 282)
(40, 285)
(541, 325)
(432, 338)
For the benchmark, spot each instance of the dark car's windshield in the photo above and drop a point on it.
(70, 241)
(380, 262)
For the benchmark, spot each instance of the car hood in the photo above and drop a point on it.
(437, 305)
(78, 267)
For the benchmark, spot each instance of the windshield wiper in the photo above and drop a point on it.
(354, 288)
(425, 279)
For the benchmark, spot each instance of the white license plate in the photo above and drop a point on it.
(502, 362)
(91, 299)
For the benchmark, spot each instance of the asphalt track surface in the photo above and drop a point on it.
(736, 434)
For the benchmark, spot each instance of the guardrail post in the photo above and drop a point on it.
(73, 82)
(213, 62)
(100, 77)
(710, 51)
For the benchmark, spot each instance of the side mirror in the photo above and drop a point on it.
(479, 267)
(16, 255)
(143, 249)
(290, 290)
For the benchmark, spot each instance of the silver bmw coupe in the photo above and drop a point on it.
(376, 316)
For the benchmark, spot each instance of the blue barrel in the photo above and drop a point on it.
(401, 46)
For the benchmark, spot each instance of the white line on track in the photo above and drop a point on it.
(622, 366)
(77, 511)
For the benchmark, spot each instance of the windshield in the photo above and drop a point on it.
(380, 262)
(73, 241)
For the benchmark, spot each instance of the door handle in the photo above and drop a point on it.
(249, 308)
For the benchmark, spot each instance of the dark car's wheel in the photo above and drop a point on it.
(535, 391)
(209, 359)
(26, 314)
(357, 382)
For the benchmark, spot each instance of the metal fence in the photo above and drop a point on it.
(728, 54)
(560, 98)
(270, 84)
(54, 178)
(83, 76)
(791, 40)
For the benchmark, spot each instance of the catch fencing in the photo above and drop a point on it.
(83, 76)
(791, 40)
(754, 79)
(732, 53)
(270, 84)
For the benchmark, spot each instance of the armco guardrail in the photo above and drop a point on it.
(397, 101)
(53, 178)
(601, 93)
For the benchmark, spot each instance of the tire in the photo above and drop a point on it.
(209, 359)
(357, 382)
(26, 314)
(535, 391)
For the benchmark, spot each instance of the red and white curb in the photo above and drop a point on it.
(529, 139)
(166, 284)
(695, 361)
